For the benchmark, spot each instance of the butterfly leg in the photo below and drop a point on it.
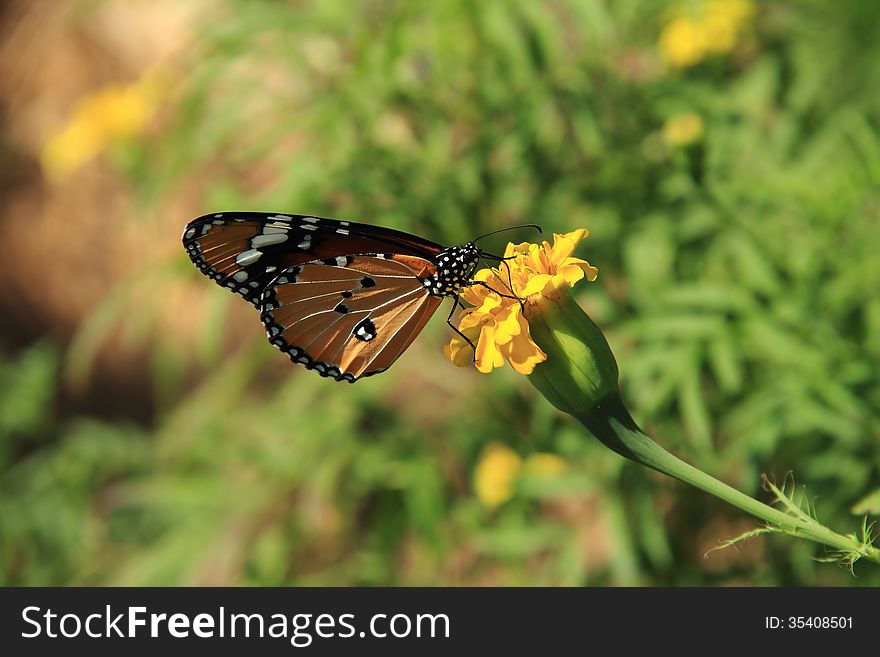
(522, 304)
(503, 261)
(509, 276)
(455, 304)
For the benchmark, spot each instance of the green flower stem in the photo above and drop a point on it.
(612, 424)
(580, 378)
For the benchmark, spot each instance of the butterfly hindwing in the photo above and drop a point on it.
(349, 316)
(245, 251)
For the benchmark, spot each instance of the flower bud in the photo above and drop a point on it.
(580, 371)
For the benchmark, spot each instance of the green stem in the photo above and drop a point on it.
(612, 424)
(580, 377)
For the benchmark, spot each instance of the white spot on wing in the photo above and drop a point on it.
(240, 276)
(248, 257)
(268, 240)
(311, 220)
(190, 233)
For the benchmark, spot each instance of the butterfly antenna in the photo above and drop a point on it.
(501, 230)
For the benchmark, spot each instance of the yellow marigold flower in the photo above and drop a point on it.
(544, 464)
(683, 129)
(737, 12)
(723, 22)
(115, 112)
(548, 337)
(497, 324)
(496, 473)
(682, 42)
(711, 28)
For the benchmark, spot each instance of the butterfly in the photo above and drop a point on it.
(341, 298)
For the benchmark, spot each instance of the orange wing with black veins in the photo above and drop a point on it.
(349, 317)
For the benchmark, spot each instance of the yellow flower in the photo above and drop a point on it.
(496, 473)
(682, 42)
(497, 324)
(723, 23)
(100, 119)
(545, 465)
(709, 28)
(736, 12)
(683, 129)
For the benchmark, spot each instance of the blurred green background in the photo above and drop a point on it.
(724, 154)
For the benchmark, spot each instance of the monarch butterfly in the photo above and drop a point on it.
(341, 298)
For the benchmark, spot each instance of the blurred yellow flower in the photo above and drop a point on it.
(393, 131)
(544, 464)
(682, 42)
(111, 114)
(497, 324)
(712, 27)
(683, 129)
(496, 473)
(499, 468)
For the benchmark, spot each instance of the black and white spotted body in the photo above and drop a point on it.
(455, 268)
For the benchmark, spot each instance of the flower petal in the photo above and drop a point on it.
(565, 244)
(523, 354)
(488, 357)
(536, 284)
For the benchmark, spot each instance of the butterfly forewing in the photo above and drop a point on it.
(349, 317)
(245, 251)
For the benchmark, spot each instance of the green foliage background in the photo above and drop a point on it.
(738, 288)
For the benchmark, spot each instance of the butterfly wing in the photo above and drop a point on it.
(245, 251)
(348, 317)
